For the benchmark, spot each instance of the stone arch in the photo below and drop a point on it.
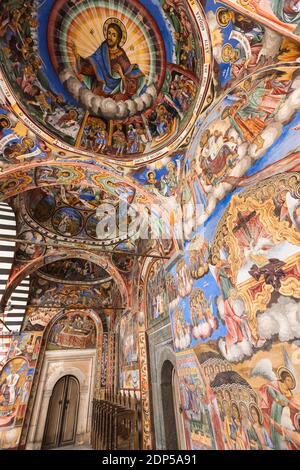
(50, 374)
(30, 268)
(44, 385)
(59, 373)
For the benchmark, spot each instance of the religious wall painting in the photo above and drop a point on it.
(17, 144)
(172, 290)
(112, 223)
(239, 133)
(36, 319)
(76, 211)
(251, 287)
(41, 204)
(235, 397)
(194, 318)
(242, 45)
(15, 384)
(188, 206)
(129, 374)
(122, 81)
(200, 413)
(255, 261)
(182, 334)
(51, 175)
(84, 198)
(27, 345)
(31, 82)
(16, 182)
(278, 382)
(104, 360)
(16, 379)
(203, 321)
(258, 400)
(74, 270)
(282, 15)
(124, 262)
(156, 292)
(199, 253)
(45, 293)
(67, 221)
(27, 251)
(184, 279)
(91, 225)
(162, 179)
(75, 330)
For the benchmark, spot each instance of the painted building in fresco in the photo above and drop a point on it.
(150, 169)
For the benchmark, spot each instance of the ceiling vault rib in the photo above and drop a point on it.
(81, 245)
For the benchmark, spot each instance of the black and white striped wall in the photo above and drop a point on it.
(15, 311)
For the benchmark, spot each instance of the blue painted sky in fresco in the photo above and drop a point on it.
(225, 74)
(288, 141)
(141, 177)
(279, 150)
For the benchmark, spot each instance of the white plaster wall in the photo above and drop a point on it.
(79, 363)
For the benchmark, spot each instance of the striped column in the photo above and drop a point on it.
(15, 313)
(7, 252)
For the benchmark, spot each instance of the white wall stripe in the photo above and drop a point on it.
(19, 294)
(7, 254)
(5, 232)
(4, 277)
(5, 266)
(8, 222)
(7, 243)
(8, 229)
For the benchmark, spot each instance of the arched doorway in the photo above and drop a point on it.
(61, 422)
(168, 404)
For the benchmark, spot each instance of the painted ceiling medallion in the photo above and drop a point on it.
(121, 79)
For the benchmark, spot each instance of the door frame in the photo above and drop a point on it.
(82, 365)
(62, 414)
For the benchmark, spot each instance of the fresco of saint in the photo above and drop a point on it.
(276, 396)
(288, 11)
(109, 67)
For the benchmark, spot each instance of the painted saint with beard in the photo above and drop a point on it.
(110, 70)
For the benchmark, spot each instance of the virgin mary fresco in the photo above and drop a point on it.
(109, 67)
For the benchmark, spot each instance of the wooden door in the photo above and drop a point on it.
(61, 422)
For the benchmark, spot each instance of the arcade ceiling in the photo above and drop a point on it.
(106, 101)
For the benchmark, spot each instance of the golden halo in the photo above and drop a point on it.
(259, 413)
(221, 22)
(121, 25)
(285, 369)
(151, 172)
(227, 52)
(297, 421)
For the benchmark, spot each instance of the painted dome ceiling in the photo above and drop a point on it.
(124, 80)
(80, 213)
